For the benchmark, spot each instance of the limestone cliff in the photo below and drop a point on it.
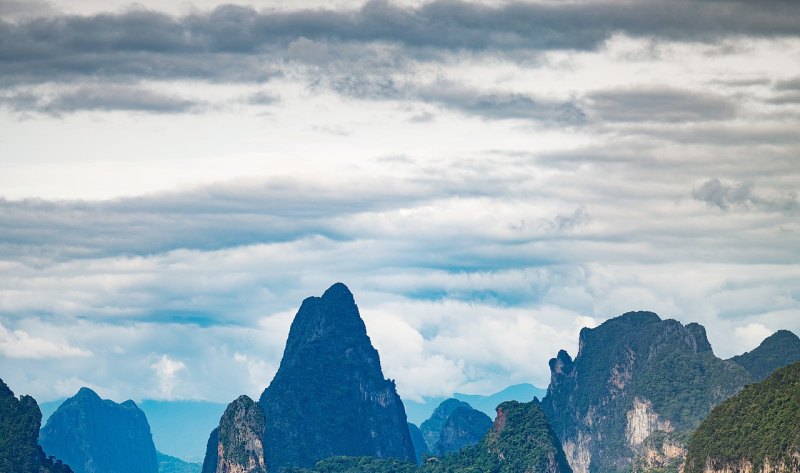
(240, 446)
(636, 379)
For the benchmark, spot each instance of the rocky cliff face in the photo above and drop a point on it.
(636, 387)
(93, 435)
(756, 431)
(19, 432)
(776, 351)
(212, 454)
(241, 430)
(329, 396)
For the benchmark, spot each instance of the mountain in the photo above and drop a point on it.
(19, 433)
(778, 350)
(329, 397)
(636, 388)
(170, 464)
(487, 404)
(419, 443)
(453, 426)
(179, 428)
(756, 430)
(93, 435)
(240, 436)
(520, 440)
(212, 453)
(418, 412)
(432, 428)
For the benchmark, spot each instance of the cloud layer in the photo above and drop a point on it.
(487, 178)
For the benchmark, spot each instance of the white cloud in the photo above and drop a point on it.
(751, 335)
(167, 370)
(20, 344)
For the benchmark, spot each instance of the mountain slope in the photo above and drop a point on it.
(776, 351)
(170, 464)
(329, 396)
(93, 435)
(521, 440)
(465, 426)
(637, 386)
(756, 430)
(19, 432)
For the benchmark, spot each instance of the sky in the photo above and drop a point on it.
(486, 177)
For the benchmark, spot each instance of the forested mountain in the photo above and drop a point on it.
(756, 430)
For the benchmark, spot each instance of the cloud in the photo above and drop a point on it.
(20, 344)
(726, 195)
(231, 42)
(660, 104)
(99, 98)
(167, 370)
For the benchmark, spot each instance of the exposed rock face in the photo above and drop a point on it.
(419, 443)
(635, 377)
(93, 435)
(329, 397)
(776, 351)
(465, 426)
(241, 430)
(19, 432)
(758, 430)
(643, 421)
(520, 440)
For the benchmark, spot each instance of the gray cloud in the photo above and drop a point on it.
(234, 42)
(788, 84)
(99, 97)
(726, 195)
(659, 105)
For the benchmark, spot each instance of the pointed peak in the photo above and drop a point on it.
(86, 393)
(337, 291)
(782, 335)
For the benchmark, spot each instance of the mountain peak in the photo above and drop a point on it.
(330, 391)
(778, 350)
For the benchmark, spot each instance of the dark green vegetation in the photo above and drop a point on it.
(168, 464)
(359, 465)
(761, 423)
(778, 350)
(635, 375)
(19, 433)
(329, 397)
(93, 435)
(241, 429)
(452, 426)
(520, 441)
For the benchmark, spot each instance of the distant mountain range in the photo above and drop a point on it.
(418, 412)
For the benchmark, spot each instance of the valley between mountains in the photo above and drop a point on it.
(642, 394)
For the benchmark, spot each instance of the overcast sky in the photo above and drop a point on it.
(487, 178)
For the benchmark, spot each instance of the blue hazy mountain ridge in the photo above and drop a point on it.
(418, 412)
(170, 464)
(179, 428)
(453, 425)
(20, 452)
(419, 443)
(94, 435)
(328, 398)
